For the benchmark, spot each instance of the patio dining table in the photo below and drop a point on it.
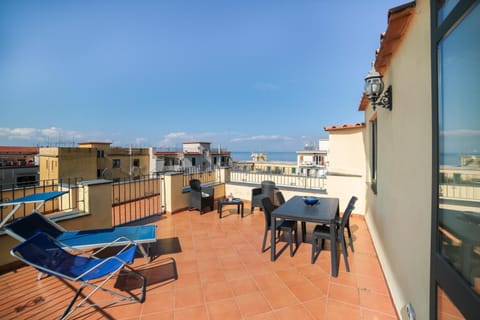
(324, 211)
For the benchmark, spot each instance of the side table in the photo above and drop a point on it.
(225, 202)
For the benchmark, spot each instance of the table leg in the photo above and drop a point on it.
(272, 238)
(220, 210)
(333, 249)
(242, 208)
(304, 231)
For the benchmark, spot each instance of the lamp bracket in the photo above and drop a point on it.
(385, 100)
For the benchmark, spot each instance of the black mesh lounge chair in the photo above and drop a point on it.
(266, 189)
(286, 226)
(200, 197)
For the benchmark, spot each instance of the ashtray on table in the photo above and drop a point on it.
(310, 201)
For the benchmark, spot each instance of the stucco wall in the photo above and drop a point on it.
(399, 214)
(347, 151)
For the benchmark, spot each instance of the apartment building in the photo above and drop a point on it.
(193, 156)
(93, 160)
(18, 166)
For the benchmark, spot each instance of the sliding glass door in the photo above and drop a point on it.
(455, 285)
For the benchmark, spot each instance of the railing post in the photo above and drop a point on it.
(97, 201)
(175, 199)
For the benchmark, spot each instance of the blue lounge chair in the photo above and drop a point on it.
(48, 256)
(25, 227)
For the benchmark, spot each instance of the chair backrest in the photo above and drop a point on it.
(196, 185)
(352, 201)
(267, 211)
(27, 226)
(280, 198)
(268, 186)
(346, 215)
(42, 253)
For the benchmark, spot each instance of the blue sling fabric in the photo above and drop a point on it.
(42, 251)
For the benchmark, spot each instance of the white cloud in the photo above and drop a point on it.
(140, 141)
(175, 138)
(35, 135)
(263, 138)
(461, 133)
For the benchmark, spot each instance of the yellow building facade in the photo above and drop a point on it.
(93, 160)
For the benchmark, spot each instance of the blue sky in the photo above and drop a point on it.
(248, 75)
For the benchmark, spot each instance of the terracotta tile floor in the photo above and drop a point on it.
(222, 275)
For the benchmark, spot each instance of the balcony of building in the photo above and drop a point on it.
(222, 273)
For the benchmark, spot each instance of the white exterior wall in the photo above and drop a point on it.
(347, 154)
(399, 214)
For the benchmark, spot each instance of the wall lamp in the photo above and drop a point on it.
(374, 88)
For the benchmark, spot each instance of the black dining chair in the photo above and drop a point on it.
(286, 226)
(322, 232)
(352, 201)
(280, 198)
(266, 189)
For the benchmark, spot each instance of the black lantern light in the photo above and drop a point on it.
(374, 88)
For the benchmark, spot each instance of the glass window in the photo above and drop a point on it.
(444, 8)
(116, 163)
(446, 308)
(459, 148)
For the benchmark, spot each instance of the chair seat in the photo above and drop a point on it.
(322, 229)
(287, 224)
(323, 232)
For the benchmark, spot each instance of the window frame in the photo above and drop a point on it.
(442, 275)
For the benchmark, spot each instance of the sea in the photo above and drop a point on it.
(290, 156)
(447, 159)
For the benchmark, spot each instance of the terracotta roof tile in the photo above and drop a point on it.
(25, 150)
(345, 126)
(398, 21)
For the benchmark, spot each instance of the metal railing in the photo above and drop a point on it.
(297, 181)
(212, 176)
(136, 199)
(460, 191)
(9, 192)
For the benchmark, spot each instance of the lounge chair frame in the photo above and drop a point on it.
(127, 251)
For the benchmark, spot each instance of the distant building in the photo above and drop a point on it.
(18, 166)
(312, 161)
(93, 160)
(193, 157)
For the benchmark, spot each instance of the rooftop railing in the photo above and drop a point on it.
(296, 181)
(9, 192)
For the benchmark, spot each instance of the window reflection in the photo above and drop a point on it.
(459, 176)
(446, 308)
(445, 7)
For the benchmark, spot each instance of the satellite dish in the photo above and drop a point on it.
(136, 172)
(107, 174)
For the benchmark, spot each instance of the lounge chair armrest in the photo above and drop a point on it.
(120, 241)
